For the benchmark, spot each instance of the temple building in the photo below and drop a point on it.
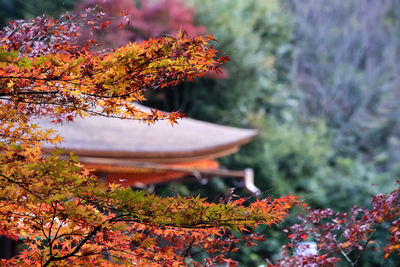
(138, 155)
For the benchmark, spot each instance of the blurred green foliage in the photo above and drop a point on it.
(289, 155)
(254, 34)
(346, 63)
(292, 153)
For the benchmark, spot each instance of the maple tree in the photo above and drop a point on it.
(343, 238)
(60, 212)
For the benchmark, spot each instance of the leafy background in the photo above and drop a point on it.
(318, 79)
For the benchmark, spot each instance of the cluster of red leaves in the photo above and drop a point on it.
(344, 236)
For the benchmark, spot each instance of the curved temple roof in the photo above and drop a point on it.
(189, 140)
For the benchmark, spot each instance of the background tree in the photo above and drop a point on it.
(347, 67)
(294, 151)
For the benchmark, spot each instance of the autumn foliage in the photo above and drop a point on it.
(343, 238)
(60, 213)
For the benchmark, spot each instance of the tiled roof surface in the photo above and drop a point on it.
(100, 135)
